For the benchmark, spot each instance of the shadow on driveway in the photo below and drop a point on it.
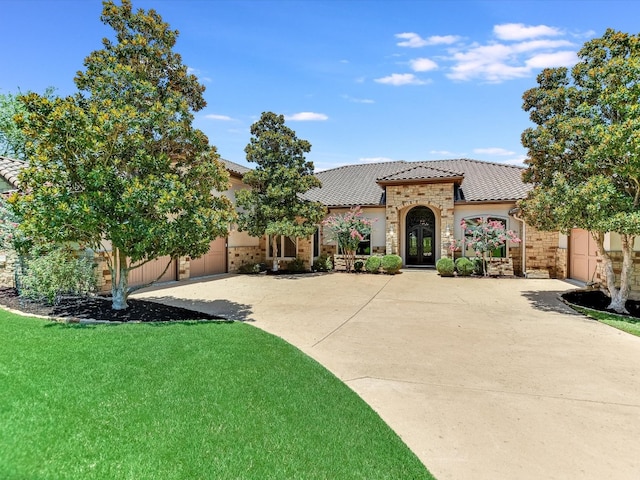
(549, 301)
(225, 309)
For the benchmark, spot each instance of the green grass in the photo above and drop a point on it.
(180, 401)
(621, 322)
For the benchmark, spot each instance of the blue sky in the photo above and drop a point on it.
(362, 80)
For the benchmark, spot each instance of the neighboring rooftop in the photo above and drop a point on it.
(234, 167)
(359, 184)
(9, 170)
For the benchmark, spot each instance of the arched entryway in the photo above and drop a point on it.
(420, 239)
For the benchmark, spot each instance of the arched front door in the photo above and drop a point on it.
(420, 239)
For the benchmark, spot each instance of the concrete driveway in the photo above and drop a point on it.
(482, 378)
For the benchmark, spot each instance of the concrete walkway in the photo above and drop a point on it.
(482, 378)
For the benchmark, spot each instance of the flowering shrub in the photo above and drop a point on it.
(348, 230)
(485, 236)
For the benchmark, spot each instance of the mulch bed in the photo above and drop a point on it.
(99, 308)
(597, 300)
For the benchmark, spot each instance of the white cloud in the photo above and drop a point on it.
(411, 40)
(398, 79)
(493, 151)
(550, 60)
(423, 64)
(307, 117)
(443, 39)
(213, 116)
(520, 31)
(357, 100)
(192, 71)
(445, 153)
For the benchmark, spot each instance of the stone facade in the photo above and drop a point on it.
(541, 252)
(616, 256)
(8, 263)
(401, 198)
(238, 256)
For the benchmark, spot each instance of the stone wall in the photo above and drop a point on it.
(542, 252)
(616, 256)
(8, 261)
(401, 198)
(238, 256)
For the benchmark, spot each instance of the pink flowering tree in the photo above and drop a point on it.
(348, 230)
(486, 236)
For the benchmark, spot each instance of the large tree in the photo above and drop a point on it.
(118, 166)
(584, 153)
(273, 204)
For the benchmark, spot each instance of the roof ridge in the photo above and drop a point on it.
(483, 162)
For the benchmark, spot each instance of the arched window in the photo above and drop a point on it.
(500, 252)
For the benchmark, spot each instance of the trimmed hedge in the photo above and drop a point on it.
(445, 267)
(391, 264)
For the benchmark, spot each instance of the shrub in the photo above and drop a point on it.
(56, 273)
(252, 267)
(391, 264)
(372, 265)
(478, 266)
(464, 266)
(358, 265)
(445, 267)
(323, 263)
(296, 265)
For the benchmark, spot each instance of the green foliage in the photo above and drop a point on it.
(56, 273)
(348, 230)
(358, 265)
(273, 204)
(322, 263)
(251, 267)
(478, 266)
(464, 266)
(373, 263)
(120, 161)
(584, 153)
(391, 264)
(296, 266)
(445, 267)
(89, 390)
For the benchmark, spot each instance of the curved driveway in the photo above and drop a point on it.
(482, 378)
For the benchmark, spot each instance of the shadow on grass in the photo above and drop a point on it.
(226, 310)
(549, 301)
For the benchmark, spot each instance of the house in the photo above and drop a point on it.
(418, 208)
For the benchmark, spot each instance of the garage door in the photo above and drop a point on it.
(150, 271)
(583, 255)
(212, 262)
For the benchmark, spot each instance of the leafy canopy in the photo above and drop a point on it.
(274, 205)
(584, 153)
(120, 162)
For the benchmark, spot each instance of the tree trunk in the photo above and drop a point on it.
(119, 281)
(274, 248)
(618, 296)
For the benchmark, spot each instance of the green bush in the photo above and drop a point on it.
(296, 265)
(445, 267)
(252, 268)
(464, 266)
(323, 263)
(391, 264)
(478, 266)
(358, 265)
(372, 265)
(56, 273)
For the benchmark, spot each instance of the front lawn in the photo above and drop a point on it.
(180, 401)
(621, 322)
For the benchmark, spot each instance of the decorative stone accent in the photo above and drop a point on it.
(237, 256)
(537, 274)
(340, 265)
(500, 267)
(8, 262)
(542, 252)
(400, 198)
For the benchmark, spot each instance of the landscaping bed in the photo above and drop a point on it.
(597, 300)
(99, 308)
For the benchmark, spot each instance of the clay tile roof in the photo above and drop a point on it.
(10, 168)
(420, 172)
(358, 184)
(235, 168)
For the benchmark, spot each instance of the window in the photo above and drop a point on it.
(500, 252)
(286, 247)
(316, 243)
(364, 247)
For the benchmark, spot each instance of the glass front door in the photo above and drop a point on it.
(420, 239)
